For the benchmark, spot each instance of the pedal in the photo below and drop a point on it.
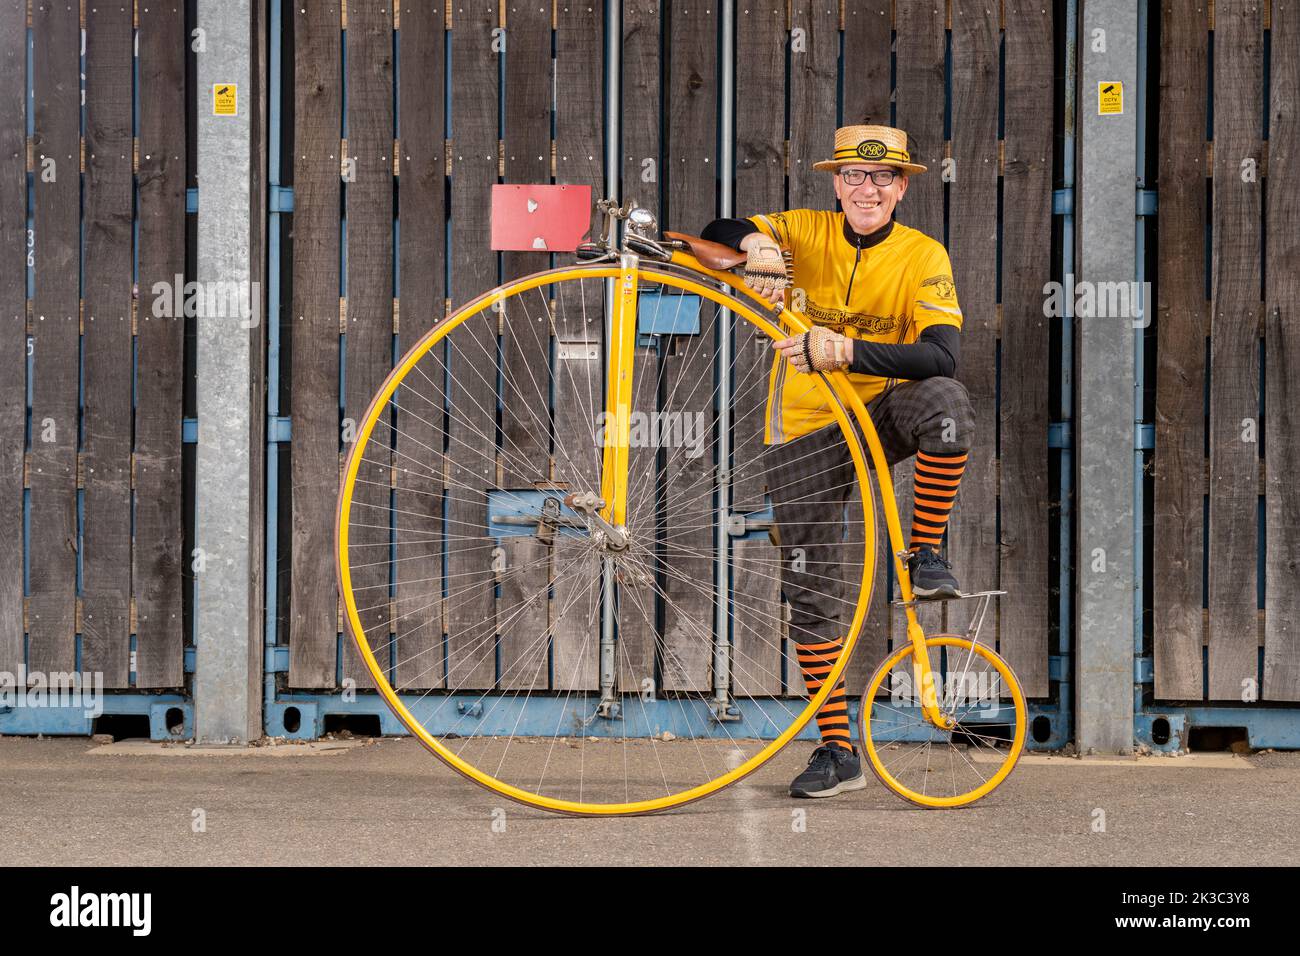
(944, 600)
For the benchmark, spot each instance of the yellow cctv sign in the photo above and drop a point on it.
(1110, 97)
(225, 99)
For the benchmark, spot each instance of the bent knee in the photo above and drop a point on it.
(951, 425)
(950, 391)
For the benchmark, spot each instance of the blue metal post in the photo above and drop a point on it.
(1139, 334)
(1067, 363)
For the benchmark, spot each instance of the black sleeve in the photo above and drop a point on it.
(729, 232)
(934, 353)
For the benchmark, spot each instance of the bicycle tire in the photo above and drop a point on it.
(906, 727)
(663, 275)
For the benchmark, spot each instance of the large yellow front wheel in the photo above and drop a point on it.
(930, 767)
(490, 609)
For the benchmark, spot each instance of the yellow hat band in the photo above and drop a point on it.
(871, 151)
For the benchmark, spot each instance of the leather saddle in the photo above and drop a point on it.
(714, 255)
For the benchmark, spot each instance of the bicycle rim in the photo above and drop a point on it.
(492, 657)
(936, 768)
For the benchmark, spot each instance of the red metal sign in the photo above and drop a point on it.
(530, 217)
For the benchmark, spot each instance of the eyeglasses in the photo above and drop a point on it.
(880, 177)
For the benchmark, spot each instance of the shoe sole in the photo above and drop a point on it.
(940, 592)
(857, 783)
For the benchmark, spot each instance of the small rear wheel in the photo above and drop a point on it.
(930, 767)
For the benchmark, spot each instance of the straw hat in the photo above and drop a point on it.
(871, 144)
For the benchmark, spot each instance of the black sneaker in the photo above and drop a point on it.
(931, 575)
(831, 770)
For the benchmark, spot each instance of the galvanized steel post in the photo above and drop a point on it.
(1106, 218)
(227, 686)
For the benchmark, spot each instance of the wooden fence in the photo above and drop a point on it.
(1226, 449)
(92, 199)
(391, 62)
(92, 196)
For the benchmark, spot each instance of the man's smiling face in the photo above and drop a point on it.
(868, 206)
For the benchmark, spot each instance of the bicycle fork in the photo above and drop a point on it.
(618, 396)
(923, 676)
(614, 463)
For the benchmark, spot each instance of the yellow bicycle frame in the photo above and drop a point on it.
(618, 397)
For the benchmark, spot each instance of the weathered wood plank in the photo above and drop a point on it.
(13, 326)
(920, 100)
(692, 120)
(755, 626)
(577, 323)
(867, 49)
(577, 312)
(761, 39)
(1282, 348)
(972, 534)
(156, 573)
(420, 412)
(523, 614)
(643, 147)
(919, 96)
(1234, 351)
(691, 183)
(689, 598)
(106, 457)
(579, 121)
(526, 427)
(53, 466)
(314, 366)
(579, 151)
(472, 445)
(471, 586)
(751, 368)
(1179, 459)
(814, 65)
(1026, 267)
(575, 616)
(369, 317)
(525, 341)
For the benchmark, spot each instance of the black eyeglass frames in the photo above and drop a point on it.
(880, 177)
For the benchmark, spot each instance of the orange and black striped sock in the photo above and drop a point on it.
(935, 490)
(816, 661)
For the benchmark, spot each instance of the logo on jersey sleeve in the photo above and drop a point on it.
(943, 287)
(778, 227)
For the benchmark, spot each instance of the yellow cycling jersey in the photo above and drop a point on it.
(887, 292)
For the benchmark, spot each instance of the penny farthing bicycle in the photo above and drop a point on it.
(549, 702)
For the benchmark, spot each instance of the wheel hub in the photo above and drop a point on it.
(604, 535)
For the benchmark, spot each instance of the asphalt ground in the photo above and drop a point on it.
(361, 802)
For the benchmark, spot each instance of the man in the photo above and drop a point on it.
(881, 299)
